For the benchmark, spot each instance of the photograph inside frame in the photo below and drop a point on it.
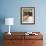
(27, 15)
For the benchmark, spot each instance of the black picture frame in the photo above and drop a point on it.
(27, 15)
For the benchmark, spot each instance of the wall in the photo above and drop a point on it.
(11, 8)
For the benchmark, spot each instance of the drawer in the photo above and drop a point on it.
(37, 43)
(33, 37)
(9, 43)
(13, 43)
(33, 43)
(16, 37)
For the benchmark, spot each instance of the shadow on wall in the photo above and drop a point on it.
(2, 21)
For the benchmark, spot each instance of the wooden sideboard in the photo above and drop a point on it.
(20, 39)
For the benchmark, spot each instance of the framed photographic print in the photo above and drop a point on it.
(27, 15)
